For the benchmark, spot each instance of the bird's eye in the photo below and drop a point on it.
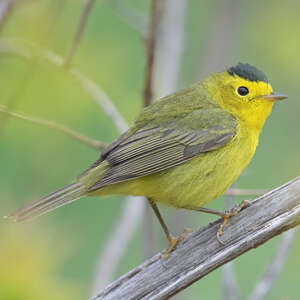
(243, 91)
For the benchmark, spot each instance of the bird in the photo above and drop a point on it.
(183, 151)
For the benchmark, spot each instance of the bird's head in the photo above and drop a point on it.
(245, 92)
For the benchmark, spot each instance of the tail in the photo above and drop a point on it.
(50, 202)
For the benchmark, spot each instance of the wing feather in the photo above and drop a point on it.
(153, 149)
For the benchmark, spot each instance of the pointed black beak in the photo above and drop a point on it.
(274, 97)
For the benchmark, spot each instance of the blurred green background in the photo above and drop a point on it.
(57, 253)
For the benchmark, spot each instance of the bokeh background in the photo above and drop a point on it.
(55, 256)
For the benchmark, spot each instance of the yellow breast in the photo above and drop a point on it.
(199, 180)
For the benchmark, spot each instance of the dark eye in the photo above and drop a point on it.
(243, 91)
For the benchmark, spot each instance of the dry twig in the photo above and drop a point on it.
(200, 252)
(53, 125)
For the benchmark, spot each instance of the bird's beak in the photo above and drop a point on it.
(274, 97)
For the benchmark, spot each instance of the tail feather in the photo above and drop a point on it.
(50, 202)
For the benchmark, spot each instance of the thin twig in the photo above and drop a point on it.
(53, 125)
(273, 270)
(11, 47)
(29, 50)
(200, 252)
(150, 51)
(16, 97)
(79, 31)
(6, 8)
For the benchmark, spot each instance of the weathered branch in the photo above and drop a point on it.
(53, 125)
(200, 252)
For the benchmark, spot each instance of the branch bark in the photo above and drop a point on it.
(200, 252)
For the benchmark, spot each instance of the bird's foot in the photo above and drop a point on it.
(173, 242)
(227, 215)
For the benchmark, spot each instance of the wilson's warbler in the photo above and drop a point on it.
(184, 150)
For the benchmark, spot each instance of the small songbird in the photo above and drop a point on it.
(184, 150)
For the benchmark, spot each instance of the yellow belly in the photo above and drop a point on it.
(197, 181)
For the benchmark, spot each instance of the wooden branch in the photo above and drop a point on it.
(200, 252)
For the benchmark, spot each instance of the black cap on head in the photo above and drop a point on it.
(248, 72)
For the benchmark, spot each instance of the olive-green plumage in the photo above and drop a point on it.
(184, 150)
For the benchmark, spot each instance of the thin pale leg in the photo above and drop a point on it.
(172, 241)
(226, 215)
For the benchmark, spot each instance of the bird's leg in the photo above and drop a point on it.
(226, 215)
(172, 241)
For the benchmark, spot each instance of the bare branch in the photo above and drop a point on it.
(6, 8)
(78, 35)
(200, 252)
(30, 50)
(264, 285)
(118, 242)
(53, 125)
(101, 99)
